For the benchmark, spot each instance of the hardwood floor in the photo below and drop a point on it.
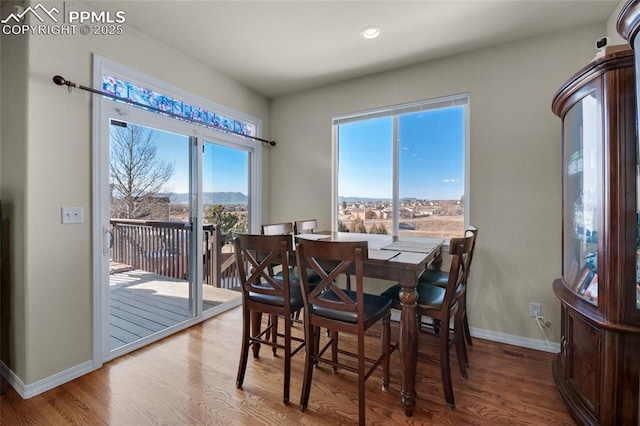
(189, 379)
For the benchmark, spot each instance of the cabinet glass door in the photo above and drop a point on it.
(582, 186)
(636, 47)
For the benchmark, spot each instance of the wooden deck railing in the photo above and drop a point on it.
(163, 248)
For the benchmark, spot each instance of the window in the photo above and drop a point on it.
(401, 169)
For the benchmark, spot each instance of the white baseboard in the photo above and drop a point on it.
(509, 339)
(29, 391)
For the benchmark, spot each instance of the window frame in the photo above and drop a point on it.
(394, 111)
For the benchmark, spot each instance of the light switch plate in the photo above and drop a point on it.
(72, 215)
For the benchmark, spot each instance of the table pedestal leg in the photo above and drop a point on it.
(408, 348)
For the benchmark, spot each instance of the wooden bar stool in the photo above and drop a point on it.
(327, 305)
(264, 293)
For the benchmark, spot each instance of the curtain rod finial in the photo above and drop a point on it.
(59, 80)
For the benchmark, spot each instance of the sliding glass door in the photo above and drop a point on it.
(225, 210)
(151, 231)
(173, 195)
(174, 176)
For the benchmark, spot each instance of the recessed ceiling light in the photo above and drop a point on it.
(370, 32)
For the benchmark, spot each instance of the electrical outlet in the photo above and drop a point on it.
(535, 310)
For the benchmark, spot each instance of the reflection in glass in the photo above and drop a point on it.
(582, 184)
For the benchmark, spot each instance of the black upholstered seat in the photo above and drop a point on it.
(434, 276)
(295, 297)
(375, 307)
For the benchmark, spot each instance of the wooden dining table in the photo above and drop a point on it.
(400, 259)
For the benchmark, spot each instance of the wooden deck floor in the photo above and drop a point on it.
(143, 303)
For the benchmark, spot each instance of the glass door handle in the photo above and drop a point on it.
(108, 240)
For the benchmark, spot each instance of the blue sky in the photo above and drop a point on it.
(224, 169)
(431, 156)
(174, 148)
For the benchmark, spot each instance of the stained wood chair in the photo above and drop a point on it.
(440, 278)
(283, 228)
(442, 304)
(289, 228)
(264, 293)
(309, 226)
(354, 312)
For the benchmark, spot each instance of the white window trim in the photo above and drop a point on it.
(462, 99)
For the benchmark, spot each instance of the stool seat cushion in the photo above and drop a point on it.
(434, 276)
(295, 295)
(375, 307)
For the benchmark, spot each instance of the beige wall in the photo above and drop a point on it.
(515, 170)
(612, 23)
(47, 140)
(13, 166)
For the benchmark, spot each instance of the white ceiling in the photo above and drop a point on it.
(279, 47)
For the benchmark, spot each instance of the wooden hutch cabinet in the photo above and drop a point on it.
(598, 368)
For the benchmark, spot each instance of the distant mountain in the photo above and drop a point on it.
(370, 200)
(210, 198)
(361, 199)
(373, 200)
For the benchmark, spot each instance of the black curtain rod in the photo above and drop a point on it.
(61, 81)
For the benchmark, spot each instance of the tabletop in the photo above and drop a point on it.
(387, 248)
